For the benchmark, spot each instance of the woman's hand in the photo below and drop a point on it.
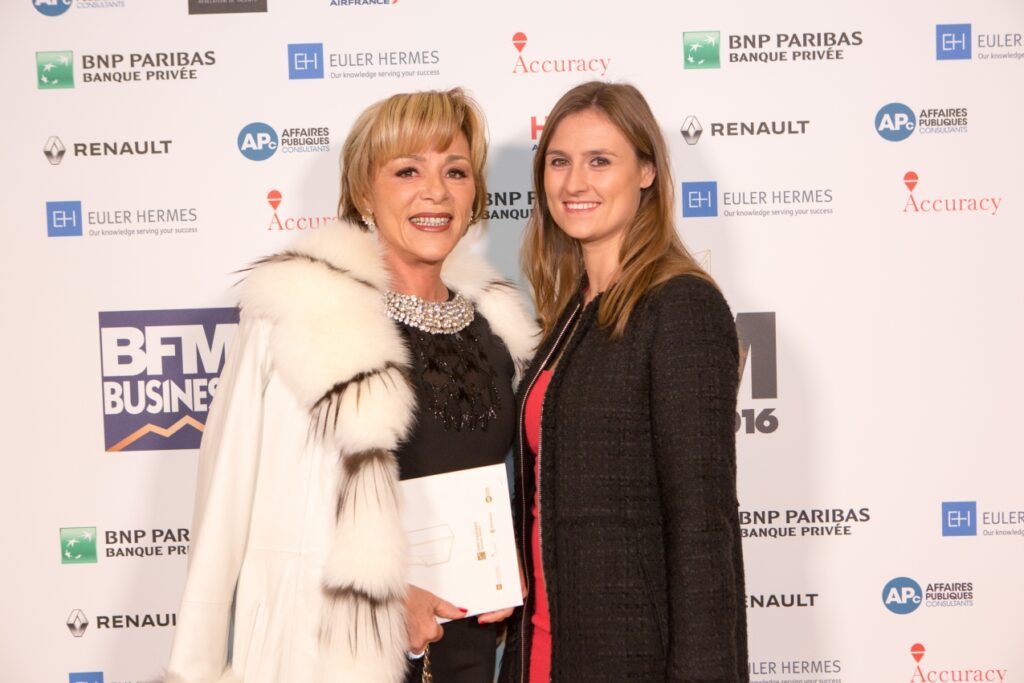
(421, 608)
(503, 614)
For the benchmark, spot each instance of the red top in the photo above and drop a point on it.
(540, 651)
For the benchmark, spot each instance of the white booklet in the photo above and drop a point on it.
(461, 542)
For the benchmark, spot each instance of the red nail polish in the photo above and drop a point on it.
(463, 609)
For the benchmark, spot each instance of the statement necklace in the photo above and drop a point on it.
(435, 317)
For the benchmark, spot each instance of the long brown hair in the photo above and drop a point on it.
(652, 252)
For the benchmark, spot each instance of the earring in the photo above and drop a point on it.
(368, 220)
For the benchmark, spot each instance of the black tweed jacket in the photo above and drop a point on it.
(639, 519)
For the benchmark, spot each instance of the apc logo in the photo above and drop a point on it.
(701, 50)
(305, 60)
(960, 518)
(895, 122)
(86, 677)
(952, 41)
(160, 372)
(700, 199)
(64, 219)
(52, 8)
(257, 141)
(902, 595)
(78, 545)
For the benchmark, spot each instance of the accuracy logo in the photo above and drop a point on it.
(78, 545)
(55, 70)
(954, 205)
(551, 65)
(701, 50)
(291, 223)
(972, 673)
(160, 371)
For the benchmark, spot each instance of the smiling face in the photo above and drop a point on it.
(593, 180)
(422, 204)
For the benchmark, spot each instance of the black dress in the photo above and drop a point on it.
(464, 419)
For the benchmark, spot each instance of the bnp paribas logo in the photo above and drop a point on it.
(78, 545)
(55, 70)
(701, 50)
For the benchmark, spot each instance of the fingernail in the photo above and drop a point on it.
(463, 609)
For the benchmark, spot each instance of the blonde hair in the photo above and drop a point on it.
(652, 252)
(408, 123)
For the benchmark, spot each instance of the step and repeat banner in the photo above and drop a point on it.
(848, 172)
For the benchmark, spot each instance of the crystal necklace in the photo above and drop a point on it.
(435, 317)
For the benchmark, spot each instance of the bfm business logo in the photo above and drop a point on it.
(160, 371)
(756, 332)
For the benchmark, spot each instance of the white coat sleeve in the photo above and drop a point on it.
(229, 459)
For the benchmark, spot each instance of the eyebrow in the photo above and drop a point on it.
(589, 152)
(449, 158)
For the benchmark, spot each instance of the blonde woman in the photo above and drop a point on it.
(368, 352)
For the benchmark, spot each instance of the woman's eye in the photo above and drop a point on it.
(406, 172)
(458, 173)
(600, 161)
(559, 161)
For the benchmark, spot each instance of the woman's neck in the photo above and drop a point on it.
(421, 279)
(602, 266)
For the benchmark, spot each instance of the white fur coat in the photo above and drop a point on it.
(330, 369)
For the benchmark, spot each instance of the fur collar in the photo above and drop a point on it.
(324, 296)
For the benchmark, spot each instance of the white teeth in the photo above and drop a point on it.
(431, 222)
(579, 206)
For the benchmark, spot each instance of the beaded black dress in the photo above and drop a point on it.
(464, 418)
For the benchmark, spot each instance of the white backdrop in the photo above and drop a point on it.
(884, 322)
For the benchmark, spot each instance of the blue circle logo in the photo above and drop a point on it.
(257, 141)
(902, 595)
(895, 122)
(52, 8)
